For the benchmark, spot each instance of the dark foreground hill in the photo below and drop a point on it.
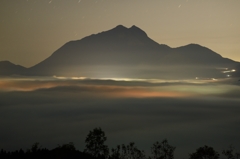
(129, 52)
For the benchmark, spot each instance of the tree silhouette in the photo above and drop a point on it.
(65, 148)
(205, 153)
(95, 143)
(229, 153)
(162, 150)
(65, 151)
(35, 147)
(129, 151)
(95, 148)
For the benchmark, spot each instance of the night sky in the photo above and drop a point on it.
(31, 30)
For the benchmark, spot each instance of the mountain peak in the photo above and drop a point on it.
(118, 29)
(121, 26)
(6, 62)
(134, 26)
(133, 30)
(7, 68)
(137, 30)
(194, 45)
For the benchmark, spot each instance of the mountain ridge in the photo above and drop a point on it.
(123, 52)
(7, 68)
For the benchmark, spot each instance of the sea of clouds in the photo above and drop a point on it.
(58, 110)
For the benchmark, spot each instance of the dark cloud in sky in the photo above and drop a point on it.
(65, 113)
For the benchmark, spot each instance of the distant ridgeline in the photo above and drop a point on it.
(128, 53)
(95, 148)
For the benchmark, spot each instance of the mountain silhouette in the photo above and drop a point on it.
(7, 68)
(119, 47)
(195, 54)
(129, 52)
